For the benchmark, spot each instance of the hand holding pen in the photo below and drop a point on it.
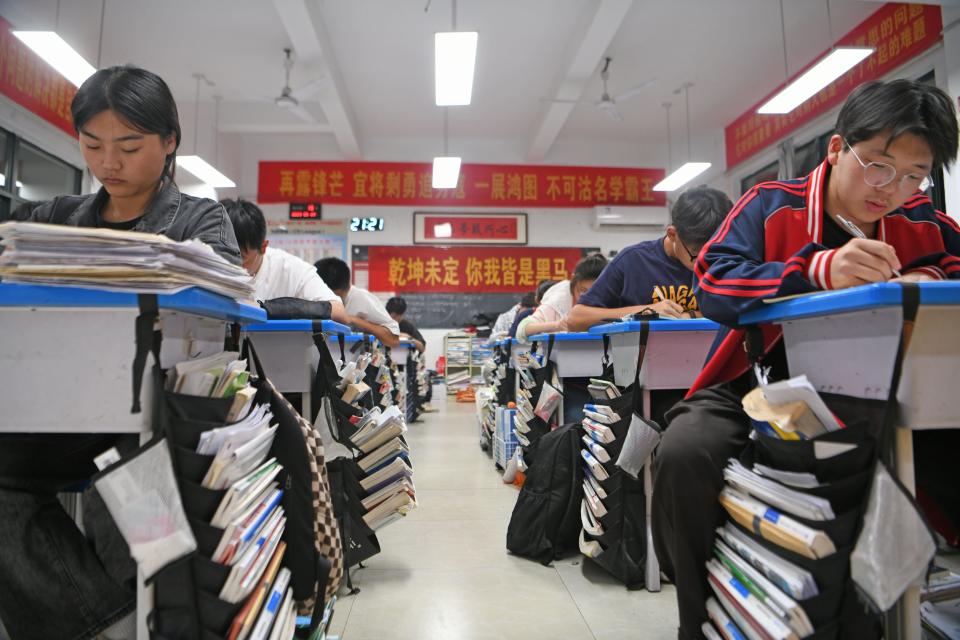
(862, 260)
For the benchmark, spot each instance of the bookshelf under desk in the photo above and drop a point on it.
(288, 353)
(675, 352)
(846, 342)
(72, 349)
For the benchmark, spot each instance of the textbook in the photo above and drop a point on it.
(603, 389)
(381, 514)
(385, 453)
(287, 610)
(244, 492)
(756, 612)
(595, 467)
(403, 485)
(780, 604)
(779, 529)
(793, 580)
(727, 629)
(589, 548)
(594, 502)
(244, 620)
(390, 473)
(598, 452)
(271, 606)
(597, 488)
(599, 432)
(709, 632)
(253, 561)
(590, 523)
(796, 503)
(231, 464)
(243, 528)
(355, 392)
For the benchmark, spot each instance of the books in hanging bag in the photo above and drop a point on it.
(759, 617)
(785, 608)
(282, 623)
(771, 525)
(384, 454)
(603, 389)
(589, 548)
(271, 606)
(594, 412)
(593, 501)
(355, 392)
(590, 523)
(727, 629)
(599, 432)
(253, 561)
(789, 500)
(244, 527)
(595, 467)
(391, 473)
(795, 581)
(231, 464)
(598, 451)
(709, 632)
(595, 485)
(244, 621)
(382, 514)
(245, 492)
(403, 485)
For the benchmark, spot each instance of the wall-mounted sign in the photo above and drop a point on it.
(481, 185)
(898, 31)
(33, 84)
(366, 224)
(304, 210)
(467, 269)
(466, 228)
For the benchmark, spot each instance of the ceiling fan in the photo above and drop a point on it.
(606, 103)
(290, 99)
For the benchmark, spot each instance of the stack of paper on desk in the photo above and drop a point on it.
(117, 260)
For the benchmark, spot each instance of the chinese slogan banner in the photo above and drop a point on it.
(467, 270)
(481, 185)
(32, 83)
(897, 31)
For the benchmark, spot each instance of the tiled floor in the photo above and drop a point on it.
(444, 571)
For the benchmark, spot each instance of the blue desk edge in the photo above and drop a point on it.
(565, 337)
(192, 300)
(327, 326)
(633, 326)
(871, 296)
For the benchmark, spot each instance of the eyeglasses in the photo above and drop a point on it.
(693, 256)
(880, 174)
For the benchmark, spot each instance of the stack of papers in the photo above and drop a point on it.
(603, 389)
(790, 409)
(387, 425)
(790, 501)
(116, 260)
(238, 449)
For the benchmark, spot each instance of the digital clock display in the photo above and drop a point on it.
(366, 224)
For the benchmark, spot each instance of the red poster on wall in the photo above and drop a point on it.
(481, 185)
(467, 269)
(898, 31)
(32, 83)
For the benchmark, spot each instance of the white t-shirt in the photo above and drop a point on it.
(365, 305)
(284, 275)
(556, 303)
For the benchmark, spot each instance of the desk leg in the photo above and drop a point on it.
(904, 618)
(306, 405)
(652, 579)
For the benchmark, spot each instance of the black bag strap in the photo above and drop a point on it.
(910, 302)
(148, 338)
(249, 353)
(342, 342)
(641, 354)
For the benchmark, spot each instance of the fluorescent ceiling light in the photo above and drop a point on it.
(205, 171)
(444, 230)
(455, 54)
(682, 176)
(837, 63)
(58, 54)
(446, 172)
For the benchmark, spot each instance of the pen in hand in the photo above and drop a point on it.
(858, 232)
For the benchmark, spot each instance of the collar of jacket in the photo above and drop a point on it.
(159, 215)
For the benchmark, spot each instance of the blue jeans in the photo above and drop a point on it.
(55, 584)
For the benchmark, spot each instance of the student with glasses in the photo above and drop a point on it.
(786, 238)
(656, 274)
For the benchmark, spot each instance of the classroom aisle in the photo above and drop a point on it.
(444, 571)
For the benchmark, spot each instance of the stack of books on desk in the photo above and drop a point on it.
(117, 260)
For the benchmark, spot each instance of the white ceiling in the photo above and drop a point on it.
(374, 59)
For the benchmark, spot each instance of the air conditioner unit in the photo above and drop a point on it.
(606, 217)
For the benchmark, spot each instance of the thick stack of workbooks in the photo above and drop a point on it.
(794, 500)
(537, 402)
(117, 260)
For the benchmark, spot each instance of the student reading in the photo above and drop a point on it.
(784, 238)
(365, 312)
(276, 273)
(54, 584)
(656, 274)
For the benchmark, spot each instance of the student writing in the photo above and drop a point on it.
(784, 238)
(365, 312)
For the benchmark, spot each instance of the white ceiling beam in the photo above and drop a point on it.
(275, 128)
(308, 35)
(591, 43)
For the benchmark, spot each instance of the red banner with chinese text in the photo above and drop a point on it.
(898, 31)
(473, 228)
(32, 83)
(467, 269)
(481, 185)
